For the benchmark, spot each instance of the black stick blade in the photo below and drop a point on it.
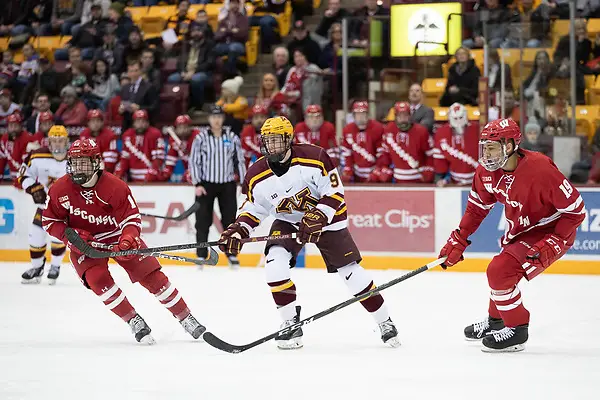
(213, 257)
(84, 247)
(221, 345)
(180, 217)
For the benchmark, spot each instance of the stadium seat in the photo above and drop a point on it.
(560, 27)
(433, 88)
(473, 113)
(46, 45)
(173, 102)
(440, 114)
(137, 13)
(4, 43)
(586, 117)
(252, 46)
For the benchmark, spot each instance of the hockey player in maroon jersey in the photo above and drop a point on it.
(13, 146)
(104, 137)
(143, 151)
(40, 138)
(250, 135)
(315, 130)
(542, 213)
(361, 141)
(456, 146)
(179, 147)
(102, 209)
(406, 146)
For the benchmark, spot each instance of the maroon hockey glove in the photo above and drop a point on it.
(38, 192)
(546, 251)
(129, 240)
(454, 249)
(230, 239)
(311, 226)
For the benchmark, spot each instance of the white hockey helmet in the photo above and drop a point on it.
(458, 118)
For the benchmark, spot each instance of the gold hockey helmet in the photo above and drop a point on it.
(58, 141)
(276, 136)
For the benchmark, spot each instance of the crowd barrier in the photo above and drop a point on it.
(395, 227)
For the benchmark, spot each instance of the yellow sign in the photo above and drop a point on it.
(413, 23)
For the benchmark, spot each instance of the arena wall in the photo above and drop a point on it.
(395, 227)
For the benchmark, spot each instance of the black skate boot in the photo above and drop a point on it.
(506, 340)
(53, 274)
(141, 330)
(480, 329)
(389, 333)
(192, 326)
(234, 263)
(33, 275)
(291, 339)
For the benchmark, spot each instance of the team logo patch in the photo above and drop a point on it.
(88, 195)
(63, 198)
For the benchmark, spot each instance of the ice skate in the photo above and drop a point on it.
(506, 340)
(192, 326)
(53, 274)
(480, 329)
(234, 263)
(389, 333)
(141, 330)
(33, 275)
(291, 339)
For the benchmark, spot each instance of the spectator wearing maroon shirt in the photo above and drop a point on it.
(72, 111)
(231, 36)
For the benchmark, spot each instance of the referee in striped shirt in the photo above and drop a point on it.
(216, 162)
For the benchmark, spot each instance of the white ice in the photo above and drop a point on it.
(59, 342)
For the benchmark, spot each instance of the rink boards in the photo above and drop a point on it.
(395, 227)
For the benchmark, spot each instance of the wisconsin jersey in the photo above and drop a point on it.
(536, 196)
(103, 210)
(40, 166)
(457, 154)
(13, 152)
(311, 181)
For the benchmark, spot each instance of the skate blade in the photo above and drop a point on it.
(32, 281)
(512, 349)
(147, 340)
(473, 339)
(292, 344)
(200, 335)
(393, 342)
(51, 281)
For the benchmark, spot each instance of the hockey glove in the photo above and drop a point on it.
(230, 239)
(38, 192)
(129, 240)
(85, 235)
(454, 249)
(311, 226)
(546, 251)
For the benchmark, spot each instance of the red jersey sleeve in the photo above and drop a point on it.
(171, 161)
(478, 206)
(427, 149)
(332, 147)
(54, 216)
(347, 148)
(3, 156)
(157, 154)
(440, 163)
(110, 154)
(126, 210)
(384, 159)
(122, 166)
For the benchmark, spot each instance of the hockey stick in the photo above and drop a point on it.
(184, 215)
(214, 341)
(212, 259)
(89, 251)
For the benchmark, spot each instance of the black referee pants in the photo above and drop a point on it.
(226, 193)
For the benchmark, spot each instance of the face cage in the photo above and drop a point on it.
(278, 155)
(492, 164)
(60, 152)
(83, 173)
(458, 124)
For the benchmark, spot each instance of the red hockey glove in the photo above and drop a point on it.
(385, 175)
(230, 239)
(187, 177)
(38, 192)
(454, 249)
(129, 240)
(347, 174)
(546, 251)
(152, 175)
(85, 235)
(374, 175)
(311, 226)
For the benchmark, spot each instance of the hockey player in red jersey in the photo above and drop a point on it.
(542, 212)
(406, 146)
(13, 146)
(250, 135)
(361, 141)
(315, 130)
(456, 146)
(104, 137)
(143, 151)
(40, 138)
(179, 147)
(101, 208)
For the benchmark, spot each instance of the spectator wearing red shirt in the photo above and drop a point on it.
(72, 111)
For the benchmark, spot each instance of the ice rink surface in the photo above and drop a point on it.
(61, 343)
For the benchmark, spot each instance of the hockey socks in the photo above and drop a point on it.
(58, 252)
(158, 284)
(359, 282)
(101, 282)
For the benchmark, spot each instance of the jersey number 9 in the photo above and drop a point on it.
(335, 180)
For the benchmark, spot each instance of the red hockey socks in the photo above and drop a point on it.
(101, 282)
(158, 284)
(510, 306)
(503, 273)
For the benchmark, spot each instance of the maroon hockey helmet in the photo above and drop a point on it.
(493, 140)
(83, 160)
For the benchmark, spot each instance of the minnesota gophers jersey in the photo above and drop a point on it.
(107, 141)
(103, 210)
(359, 147)
(311, 181)
(324, 137)
(457, 154)
(40, 166)
(409, 152)
(536, 196)
(13, 153)
(250, 139)
(142, 155)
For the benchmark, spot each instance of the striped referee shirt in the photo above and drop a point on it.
(216, 159)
